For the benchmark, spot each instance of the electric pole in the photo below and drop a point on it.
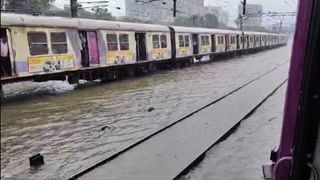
(174, 8)
(243, 13)
(74, 8)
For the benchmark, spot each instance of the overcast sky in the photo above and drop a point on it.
(231, 6)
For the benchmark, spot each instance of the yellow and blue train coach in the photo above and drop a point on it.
(41, 46)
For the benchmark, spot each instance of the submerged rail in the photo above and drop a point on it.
(172, 124)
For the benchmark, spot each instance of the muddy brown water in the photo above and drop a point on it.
(76, 127)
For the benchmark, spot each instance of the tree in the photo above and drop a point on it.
(134, 20)
(102, 13)
(208, 20)
(26, 6)
(82, 13)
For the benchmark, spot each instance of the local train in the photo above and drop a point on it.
(39, 45)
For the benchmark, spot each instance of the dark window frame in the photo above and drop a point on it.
(32, 43)
(63, 43)
(126, 43)
(165, 45)
(112, 43)
(186, 41)
(181, 41)
(156, 41)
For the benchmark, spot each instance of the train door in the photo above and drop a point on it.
(6, 68)
(227, 42)
(238, 41)
(93, 48)
(255, 41)
(84, 49)
(141, 48)
(260, 41)
(195, 43)
(213, 42)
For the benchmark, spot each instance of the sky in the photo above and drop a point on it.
(231, 6)
(112, 3)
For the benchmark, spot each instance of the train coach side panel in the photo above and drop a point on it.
(75, 46)
(232, 42)
(20, 49)
(27, 62)
(158, 47)
(183, 45)
(102, 48)
(251, 41)
(205, 44)
(118, 47)
(220, 43)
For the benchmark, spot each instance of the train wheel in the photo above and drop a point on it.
(73, 79)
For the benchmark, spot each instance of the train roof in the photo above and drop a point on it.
(8, 19)
(203, 30)
(262, 33)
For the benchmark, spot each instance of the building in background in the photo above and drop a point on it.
(191, 7)
(22, 6)
(253, 16)
(162, 11)
(149, 11)
(219, 12)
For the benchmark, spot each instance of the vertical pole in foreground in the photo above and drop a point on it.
(174, 8)
(74, 8)
(240, 18)
(243, 13)
(244, 7)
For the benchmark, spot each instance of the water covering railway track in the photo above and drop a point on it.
(66, 127)
(171, 151)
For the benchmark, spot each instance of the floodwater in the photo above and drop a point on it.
(76, 127)
(242, 154)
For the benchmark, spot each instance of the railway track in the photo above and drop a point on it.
(123, 151)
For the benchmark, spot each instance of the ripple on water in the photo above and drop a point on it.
(65, 124)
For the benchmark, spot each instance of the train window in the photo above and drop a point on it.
(112, 42)
(232, 40)
(219, 40)
(59, 42)
(155, 41)
(202, 40)
(37, 43)
(206, 39)
(163, 39)
(181, 41)
(124, 42)
(186, 40)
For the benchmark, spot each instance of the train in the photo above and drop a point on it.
(46, 48)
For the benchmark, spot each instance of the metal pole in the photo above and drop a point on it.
(174, 8)
(243, 13)
(74, 8)
(244, 7)
(240, 22)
